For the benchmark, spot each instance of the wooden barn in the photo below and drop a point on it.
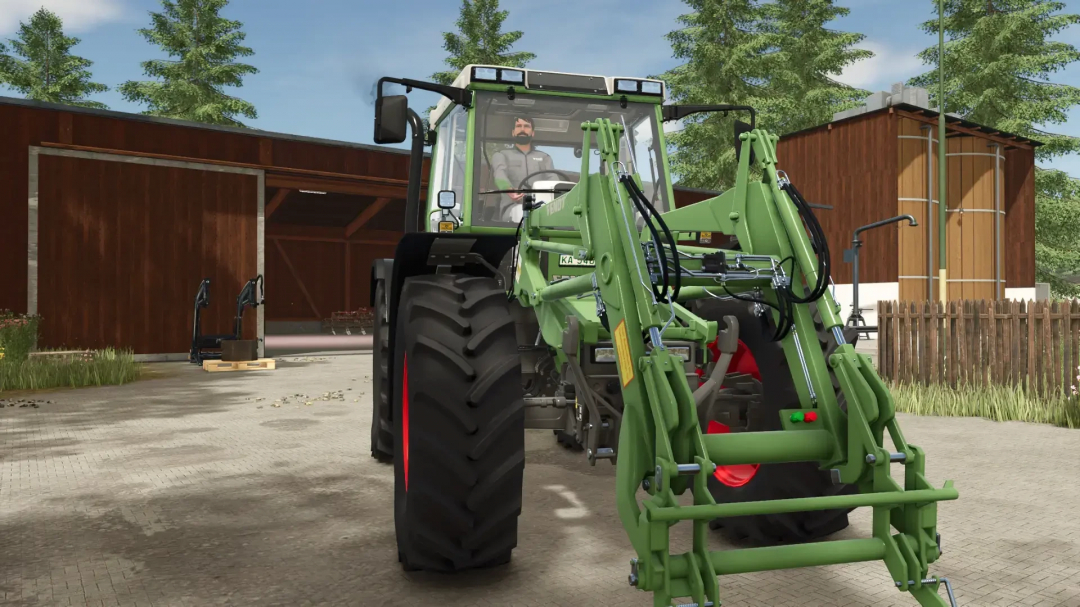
(881, 160)
(111, 220)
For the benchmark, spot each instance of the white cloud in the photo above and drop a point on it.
(887, 66)
(78, 15)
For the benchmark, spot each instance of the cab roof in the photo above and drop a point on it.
(543, 80)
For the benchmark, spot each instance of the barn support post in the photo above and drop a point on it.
(260, 263)
(929, 212)
(32, 236)
(999, 290)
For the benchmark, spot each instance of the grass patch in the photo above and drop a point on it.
(993, 402)
(41, 372)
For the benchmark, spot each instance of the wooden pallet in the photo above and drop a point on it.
(218, 366)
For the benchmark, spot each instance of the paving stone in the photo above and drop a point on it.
(188, 490)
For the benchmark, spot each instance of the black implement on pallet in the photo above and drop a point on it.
(200, 342)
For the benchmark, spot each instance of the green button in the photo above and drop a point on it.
(797, 417)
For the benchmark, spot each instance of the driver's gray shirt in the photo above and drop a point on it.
(510, 166)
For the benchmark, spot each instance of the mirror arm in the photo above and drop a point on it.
(677, 112)
(459, 96)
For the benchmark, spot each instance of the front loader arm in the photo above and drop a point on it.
(661, 444)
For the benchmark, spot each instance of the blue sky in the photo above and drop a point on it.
(318, 59)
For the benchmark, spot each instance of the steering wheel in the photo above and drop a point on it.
(535, 173)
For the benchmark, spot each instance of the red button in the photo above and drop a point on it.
(810, 416)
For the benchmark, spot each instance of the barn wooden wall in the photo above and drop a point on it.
(123, 247)
(851, 166)
(1019, 232)
(912, 187)
(970, 228)
(864, 167)
(23, 125)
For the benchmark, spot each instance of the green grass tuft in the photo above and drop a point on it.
(107, 367)
(993, 402)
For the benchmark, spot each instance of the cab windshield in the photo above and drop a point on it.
(535, 142)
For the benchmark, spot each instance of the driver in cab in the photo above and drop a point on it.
(511, 166)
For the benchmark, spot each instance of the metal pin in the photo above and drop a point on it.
(893, 457)
(689, 468)
(948, 587)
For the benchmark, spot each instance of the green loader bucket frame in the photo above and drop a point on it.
(661, 445)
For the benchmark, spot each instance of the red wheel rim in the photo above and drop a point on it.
(732, 476)
(742, 362)
(405, 419)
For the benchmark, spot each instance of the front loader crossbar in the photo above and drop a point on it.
(890, 499)
(662, 447)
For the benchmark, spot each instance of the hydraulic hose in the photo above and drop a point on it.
(820, 245)
(641, 200)
(664, 273)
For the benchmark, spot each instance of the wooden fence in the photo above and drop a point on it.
(1032, 344)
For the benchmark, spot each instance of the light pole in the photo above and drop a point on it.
(943, 286)
(855, 319)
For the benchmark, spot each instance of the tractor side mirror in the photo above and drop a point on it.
(740, 128)
(391, 119)
(447, 200)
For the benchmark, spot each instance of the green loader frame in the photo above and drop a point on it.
(634, 290)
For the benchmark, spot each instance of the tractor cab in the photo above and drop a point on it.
(521, 134)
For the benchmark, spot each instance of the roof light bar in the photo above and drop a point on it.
(488, 74)
(629, 86)
(651, 88)
(492, 74)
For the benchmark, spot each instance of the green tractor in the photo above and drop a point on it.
(549, 282)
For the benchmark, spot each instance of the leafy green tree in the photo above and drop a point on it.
(778, 57)
(999, 60)
(805, 60)
(47, 70)
(205, 47)
(1057, 231)
(480, 40)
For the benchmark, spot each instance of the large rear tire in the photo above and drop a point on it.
(382, 428)
(459, 423)
(751, 405)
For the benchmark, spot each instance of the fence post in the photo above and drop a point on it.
(935, 351)
(1066, 348)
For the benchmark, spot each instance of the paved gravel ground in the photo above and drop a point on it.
(193, 489)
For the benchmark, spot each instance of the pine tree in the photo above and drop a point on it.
(480, 41)
(778, 57)
(806, 57)
(48, 71)
(205, 46)
(726, 62)
(998, 63)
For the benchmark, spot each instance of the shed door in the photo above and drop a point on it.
(123, 246)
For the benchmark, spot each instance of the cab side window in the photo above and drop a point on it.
(450, 156)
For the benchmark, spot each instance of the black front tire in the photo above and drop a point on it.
(459, 417)
(382, 429)
(755, 407)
